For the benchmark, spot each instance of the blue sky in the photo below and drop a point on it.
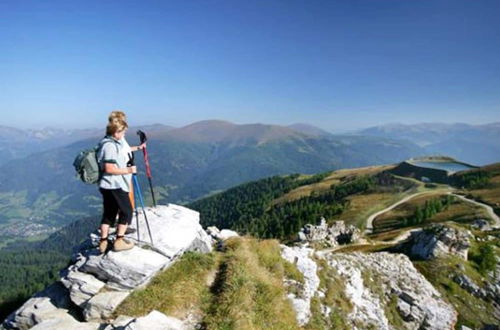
(335, 64)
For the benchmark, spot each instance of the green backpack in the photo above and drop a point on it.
(86, 164)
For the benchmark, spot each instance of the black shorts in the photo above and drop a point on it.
(116, 201)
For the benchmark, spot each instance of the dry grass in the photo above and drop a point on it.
(361, 206)
(248, 292)
(335, 178)
(459, 211)
(490, 195)
(176, 291)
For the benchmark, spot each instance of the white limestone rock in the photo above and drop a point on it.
(126, 269)
(102, 305)
(174, 229)
(338, 233)
(82, 287)
(51, 303)
(301, 257)
(373, 280)
(66, 323)
(221, 235)
(156, 321)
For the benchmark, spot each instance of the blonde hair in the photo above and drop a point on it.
(116, 125)
(117, 115)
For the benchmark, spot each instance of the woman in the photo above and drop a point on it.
(114, 184)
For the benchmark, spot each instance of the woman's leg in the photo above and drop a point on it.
(126, 212)
(109, 211)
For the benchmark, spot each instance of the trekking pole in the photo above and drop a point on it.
(130, 163)
(143, 138)
(138, 190)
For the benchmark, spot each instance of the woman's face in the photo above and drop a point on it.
(119, 134)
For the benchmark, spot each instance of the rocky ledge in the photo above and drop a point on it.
(93, 286)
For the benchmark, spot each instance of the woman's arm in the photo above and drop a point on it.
(135, 148)
(111, 168)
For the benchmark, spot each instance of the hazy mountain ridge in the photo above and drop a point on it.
(475, 144)
(187, 163)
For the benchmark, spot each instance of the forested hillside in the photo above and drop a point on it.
(251, 208)
(26, 268)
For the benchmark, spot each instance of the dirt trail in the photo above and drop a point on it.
(406, 234)
(369, 221)
(488, 208)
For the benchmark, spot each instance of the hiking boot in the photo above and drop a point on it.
(130, 231)
(122, 245)
(103, 245)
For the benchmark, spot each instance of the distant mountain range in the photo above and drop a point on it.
(187, 163)
(38, 181)
(475, 144)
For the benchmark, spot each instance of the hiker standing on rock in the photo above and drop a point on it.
(114, 183)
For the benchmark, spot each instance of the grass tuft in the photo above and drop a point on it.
(176, 291)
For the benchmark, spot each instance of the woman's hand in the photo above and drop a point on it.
(142, 146)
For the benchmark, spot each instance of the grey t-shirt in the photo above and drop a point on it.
(115, 152)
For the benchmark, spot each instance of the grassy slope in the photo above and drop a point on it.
(246, 293)
(491, 193)
(472, 311)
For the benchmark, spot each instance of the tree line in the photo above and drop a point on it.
(248, 208)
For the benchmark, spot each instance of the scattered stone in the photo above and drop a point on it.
(221, 235)
(438, 241)
(371, 281)
(481, 224)
(102, 305)
(468, 285)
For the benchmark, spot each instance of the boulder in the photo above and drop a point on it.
(126, 269)
(102, 305)
(439, 241)
(221, 235)
(174, 229)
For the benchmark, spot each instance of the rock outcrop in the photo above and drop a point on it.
(338, 233)
(95, 284)
(438, 241)
(374, 281)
